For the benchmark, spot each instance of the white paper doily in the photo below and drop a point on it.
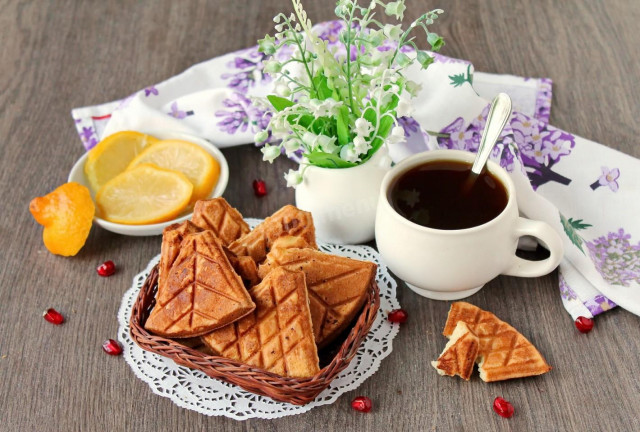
(192, 389)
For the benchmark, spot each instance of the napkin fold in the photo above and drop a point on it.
(588, 192)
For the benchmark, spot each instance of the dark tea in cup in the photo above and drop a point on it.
(439, 194)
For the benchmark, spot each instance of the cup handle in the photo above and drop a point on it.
(552, 241)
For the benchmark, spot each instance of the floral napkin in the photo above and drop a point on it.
(586, 191)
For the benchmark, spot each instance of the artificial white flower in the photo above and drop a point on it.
(413, 87)
(261, 136)
(269, 153)
(361, 145)
(395, 8)
(327, 144)
(272, 66)
(293, 178)
(291, 145)
(404, 107)
(348, 153)
(396, 136)
(282, 89)
(310, 139)
(393, 32)
(363, 127)
(323, 108)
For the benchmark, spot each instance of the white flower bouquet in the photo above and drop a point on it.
(338, 107)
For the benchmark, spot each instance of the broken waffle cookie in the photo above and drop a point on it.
(278, 335)
(337, 286)
(503, 353)
(172, 237)
(459, 355)
(201, 293)
(288, 221)
(218, 216)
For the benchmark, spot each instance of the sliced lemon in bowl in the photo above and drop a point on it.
(144, 194)
(112, 155)
(190, 159)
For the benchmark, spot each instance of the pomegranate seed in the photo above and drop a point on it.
(584, 324)
(259, 188)
(362, 404)
(398, 316)
(502, 407)
(106, 269)
(53, 316)
(112, 347)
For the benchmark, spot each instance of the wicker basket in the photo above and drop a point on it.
(297, 391)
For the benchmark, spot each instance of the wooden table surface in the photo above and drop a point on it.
(57, 55)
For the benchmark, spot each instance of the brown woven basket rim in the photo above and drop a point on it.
(297, 391)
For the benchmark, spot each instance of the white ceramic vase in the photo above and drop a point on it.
(343, 201)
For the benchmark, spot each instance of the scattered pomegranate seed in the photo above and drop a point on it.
(584, 324)
(362, 404)
(106, 269)
(398, 316)
(112, 347)
(53, 316)
(259, 188)
(502, 407)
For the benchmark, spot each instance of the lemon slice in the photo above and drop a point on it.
(193, 161)
(112, 155)
(145, 194)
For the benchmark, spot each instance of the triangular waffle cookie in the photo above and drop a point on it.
(218, 216)
(278, 335)
(459, 355)
(288, 221)
(201, 293)
(172, 237)
(504, 353)
(337, 286)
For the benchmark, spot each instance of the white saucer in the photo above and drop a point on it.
(443, 295)
(77, 175)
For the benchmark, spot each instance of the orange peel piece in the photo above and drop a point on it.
(67, 215)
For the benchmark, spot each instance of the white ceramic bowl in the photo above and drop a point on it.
(77, 175)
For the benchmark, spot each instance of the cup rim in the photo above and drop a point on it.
(445, 154)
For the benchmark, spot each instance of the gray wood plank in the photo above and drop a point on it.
(61, 54)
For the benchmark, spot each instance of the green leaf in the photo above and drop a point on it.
(322, 87)
(383, 131)
(370, 114)
(279, 103)
(577, 224)
(571, 232)
(458, 79)
(327, 160)
(343, 125)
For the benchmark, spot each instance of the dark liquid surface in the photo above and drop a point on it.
(439, 195)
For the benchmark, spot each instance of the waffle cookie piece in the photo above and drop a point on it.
(201, 293)
(288, 221)
(278, 335)
(172, 237)
(459, 355)
(245, 267)
(218, 216)
(504, 353)
(338, 286)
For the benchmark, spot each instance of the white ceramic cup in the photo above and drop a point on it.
(453, 264)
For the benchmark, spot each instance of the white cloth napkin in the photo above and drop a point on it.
(586, 191)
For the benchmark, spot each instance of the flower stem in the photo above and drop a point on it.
(349, 58)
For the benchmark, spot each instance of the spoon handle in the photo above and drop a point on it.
(496, 121)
